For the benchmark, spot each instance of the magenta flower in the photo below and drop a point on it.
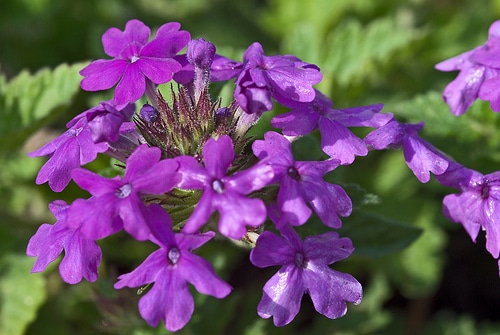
(478, 76)
(116, 203)
(476, 206)
(420, 156)
(282, 77)
(135, 60)
(337, 140)
(171, 268)
(304, 269)
(302, 183)
(81, 255)
(105, 119)
(67, 152)
(222, 193)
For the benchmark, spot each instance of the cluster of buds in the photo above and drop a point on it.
(191, 171)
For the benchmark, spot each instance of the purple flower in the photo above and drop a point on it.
(420, 156)
(171, 268)
(116, 203)
(105, 119)
(304, 269)
(337, 140)
(283, 77)
(222, 193)
(81, 255)
(478, 76)
(302, 183)
(135, 60)
(477, 205)
(67, 152)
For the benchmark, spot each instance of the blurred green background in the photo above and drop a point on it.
(421, 274)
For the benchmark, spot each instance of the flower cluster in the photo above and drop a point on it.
(191, 172)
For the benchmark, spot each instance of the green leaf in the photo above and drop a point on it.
(28, 101)
(374, 235)
(304, 41)
(354, 53)
(20, 293)
(284, 15)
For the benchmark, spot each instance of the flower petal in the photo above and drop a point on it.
(102, 74)
(327, 248)
(330, 290)
(339, 142)
(237, 212)
(131, 87)
(94, 183)
(201, 213)
(201, 275)
(81, 259)
(271, 250)
(158, 70)
(45, 247)
(282, 295)
(218, 156)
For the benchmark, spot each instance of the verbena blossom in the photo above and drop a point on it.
(116, 203)
(477, 206)
(171, 268)
(337, 140)
(67, 152)
(302, 183)
(304, 269)
(282, 77)
(136, 62)
(478, 76)
(82, 256)
(223, 193)
(105, 120)
(420, 156)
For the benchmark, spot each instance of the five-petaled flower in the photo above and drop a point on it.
(116, 203)
(136, 62)
(302, 183)
(222, 193)
(304, 269)
(171, 268)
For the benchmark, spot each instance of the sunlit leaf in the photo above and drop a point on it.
(20, 293)
(28, 101)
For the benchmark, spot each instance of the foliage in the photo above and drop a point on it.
(369, 52)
